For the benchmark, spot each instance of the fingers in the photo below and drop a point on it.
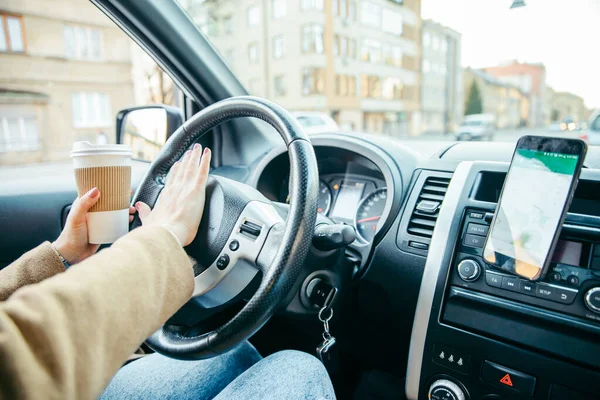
(173, 173)
(82, 205)
(204, 166)
(143, 210)
(192, 162)
(131, 212)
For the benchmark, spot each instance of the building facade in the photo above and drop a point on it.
(568, 107)
(357, 60)
(65, 71)
(531, 80)
(509, 105)
(442, 96)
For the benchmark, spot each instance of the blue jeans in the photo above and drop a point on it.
(238, 374)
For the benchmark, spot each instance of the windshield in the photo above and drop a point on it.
(413, 70)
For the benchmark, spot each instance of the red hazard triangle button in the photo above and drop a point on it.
(506, 380)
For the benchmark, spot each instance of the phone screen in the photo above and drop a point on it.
(531, 209)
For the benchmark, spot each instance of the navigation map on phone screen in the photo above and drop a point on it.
(533, 199)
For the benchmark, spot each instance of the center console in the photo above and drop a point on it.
(480, 333)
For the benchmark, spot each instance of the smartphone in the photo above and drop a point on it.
(534, 201)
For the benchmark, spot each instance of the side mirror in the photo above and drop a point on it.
(146, 129)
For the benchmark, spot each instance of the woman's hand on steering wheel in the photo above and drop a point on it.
(181, 203)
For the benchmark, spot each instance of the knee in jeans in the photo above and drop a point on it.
(299, 362)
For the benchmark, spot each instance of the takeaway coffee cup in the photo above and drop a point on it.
(107, 167)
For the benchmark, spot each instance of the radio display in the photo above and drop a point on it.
(572, 253)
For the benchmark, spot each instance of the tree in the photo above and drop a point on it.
(160, 85)
(555, 115)
(474, 104)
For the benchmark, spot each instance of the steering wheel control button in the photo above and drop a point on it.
(234, 245)
(508, 378)
(469, 270)
(474, 241)
(493, 279)
(510, 283)
(444, 389)
(250, 229)
(592, 299)
(478, 229)
(451, 358)
(223, 262)
(526, 287)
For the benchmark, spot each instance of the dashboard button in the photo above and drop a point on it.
(234, 245)
(565, 296)
(474, 240)
(573, 280)
(527, 287)
(592, 299)
(493, 279)
(478, 229)
(510, 283)
(555, 276)
(469, 270)
(223, 262)
(476, 215)
(505, 377)
(544, 291)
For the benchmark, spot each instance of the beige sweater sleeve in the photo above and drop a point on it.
(65, 337)
(32, 267)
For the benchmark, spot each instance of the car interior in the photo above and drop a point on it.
(405, 317)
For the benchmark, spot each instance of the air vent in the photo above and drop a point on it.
(427, 208)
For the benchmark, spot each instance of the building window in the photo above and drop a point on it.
(426, 66)
(253, 16)
(230, 58)
(228, 25)
(443, 69)
(12, 38)
(392, 55)
(312, 38)
(352, 10)
(435, 43)
(335, 7)
(90, 110)
(345, 85)
(279, 8)
(18, 133)
(278, 46)
(392, 22)
(344, 46)
(444, 46)
(392, 89)
(370, 14)
(313, 81)
(83, 43)
(371, 86)
(253, 53)
(371, 51)
(279, 85)
(352, 49)
(426, 39)
(311, 5)
(208, 25)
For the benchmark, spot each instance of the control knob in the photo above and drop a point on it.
(444, 389)
(469, 270)
(592, 299)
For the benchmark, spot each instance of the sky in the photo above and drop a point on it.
(564, 35)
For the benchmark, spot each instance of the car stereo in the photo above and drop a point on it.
(572, 285)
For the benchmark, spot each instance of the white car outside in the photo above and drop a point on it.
(477, 127)
(593, 132)
(316, 122)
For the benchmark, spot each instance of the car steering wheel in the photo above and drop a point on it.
(241, 233)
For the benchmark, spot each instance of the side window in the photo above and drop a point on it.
(68, 84)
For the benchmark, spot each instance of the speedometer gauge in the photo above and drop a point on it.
(324, 198)
(324, 201)
(368, 214)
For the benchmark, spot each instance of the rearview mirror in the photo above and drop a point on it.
(146, 129)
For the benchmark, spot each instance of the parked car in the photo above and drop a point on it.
(316, 122)
(593, 132)
(477, 127)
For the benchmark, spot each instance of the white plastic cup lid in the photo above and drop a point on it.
(82, 149)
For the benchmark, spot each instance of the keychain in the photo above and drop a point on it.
(325, 315)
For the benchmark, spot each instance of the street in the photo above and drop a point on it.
(430, 144)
